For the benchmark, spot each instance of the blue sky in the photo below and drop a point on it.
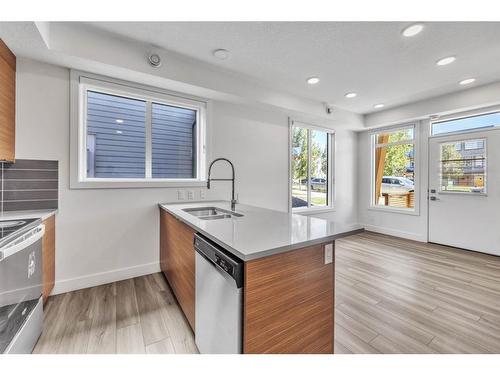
(483, 121)
(319, 138)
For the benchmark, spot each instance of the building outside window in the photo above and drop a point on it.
(463, 168)
(129, 134)
(464, 162)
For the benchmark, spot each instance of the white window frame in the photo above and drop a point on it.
(464, 115)
(485, 163)
(416, 168)
(81, 83)
(331, 169)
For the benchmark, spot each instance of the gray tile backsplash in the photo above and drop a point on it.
(29, 185)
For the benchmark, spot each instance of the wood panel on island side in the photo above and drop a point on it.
(288, 297)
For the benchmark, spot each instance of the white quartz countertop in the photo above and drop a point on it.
(16, 215)
(261, 232)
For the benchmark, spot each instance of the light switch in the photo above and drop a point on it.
(329, 253)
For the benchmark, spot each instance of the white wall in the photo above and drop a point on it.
(257, 143)
(103, 234)
(460, 101)
(346, 178)
(109, 234)
(398, 224)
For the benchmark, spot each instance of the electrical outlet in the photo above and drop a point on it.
(181, 195)
(203, 194)
(190, 195)
(329, 253)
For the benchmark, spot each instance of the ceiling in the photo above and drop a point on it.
(372, 59)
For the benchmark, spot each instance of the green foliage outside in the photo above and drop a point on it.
(452, 168)
(299, 143)
(299, 161)
(396, 158)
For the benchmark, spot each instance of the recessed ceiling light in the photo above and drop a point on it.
(119, 121)
(312, 80)
(446, 60)
(413, 30)
(222, 54)
(380, 105)
(351, 95)
(467, 81)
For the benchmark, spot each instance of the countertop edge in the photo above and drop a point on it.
(264, 253)
(205, 233)
(28, 214)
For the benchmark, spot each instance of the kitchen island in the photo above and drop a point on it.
(288, 300)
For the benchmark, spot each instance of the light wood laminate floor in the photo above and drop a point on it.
(138, 316)
(392, 296)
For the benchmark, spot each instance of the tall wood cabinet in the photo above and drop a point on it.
(7, 103)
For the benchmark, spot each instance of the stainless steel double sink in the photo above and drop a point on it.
(211, 213)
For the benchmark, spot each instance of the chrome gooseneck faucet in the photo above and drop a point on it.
(233, 201)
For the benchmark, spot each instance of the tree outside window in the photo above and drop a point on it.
(309, 159)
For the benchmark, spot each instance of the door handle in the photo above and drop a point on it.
(434, 198)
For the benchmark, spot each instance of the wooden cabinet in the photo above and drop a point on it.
(177, 261)
(48, 256)
(288, 298)
(289, 303)
(7, 103)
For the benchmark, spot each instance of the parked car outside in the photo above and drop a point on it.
(317, 183)
(397, 185)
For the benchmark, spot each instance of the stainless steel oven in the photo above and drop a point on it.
(21, 312)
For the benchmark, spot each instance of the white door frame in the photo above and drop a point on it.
(453, 116)
(464, 135)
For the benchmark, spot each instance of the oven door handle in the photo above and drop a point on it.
(23, 242)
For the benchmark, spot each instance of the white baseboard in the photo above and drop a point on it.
(396, 233)
(68, 285)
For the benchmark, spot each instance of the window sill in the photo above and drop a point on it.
(313, 210)
(135, 184)
(394, 210)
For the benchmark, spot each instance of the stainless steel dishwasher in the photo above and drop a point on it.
(219, 299)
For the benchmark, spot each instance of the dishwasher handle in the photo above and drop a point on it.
(219, 258)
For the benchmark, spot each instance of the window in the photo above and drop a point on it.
(116, 136)
(136, 136)
(394, 168)
(477, 144)
(463, 169)
(174, 141)
(478, 122)
(311, 167)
